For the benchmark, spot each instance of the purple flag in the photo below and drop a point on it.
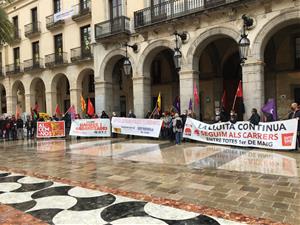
(270, 108)
(176, 104)
(191, 105)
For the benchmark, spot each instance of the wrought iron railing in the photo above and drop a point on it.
(13, 69)
(32, 64)
(51, 22)
(32, 29)
(81, 53)
(82, 9)
(174, 9)
(16, 34)
(114, 26)
(56, 59)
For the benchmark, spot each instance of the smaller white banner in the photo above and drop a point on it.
(90, 128)
(63, 15)
(271, 135)
(138, 127)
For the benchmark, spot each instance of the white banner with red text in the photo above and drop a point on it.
(50, 129)
(272, 135)
(90, 128)
(137, 127)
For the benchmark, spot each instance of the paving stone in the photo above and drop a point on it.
(280, 205)
(249, 189)
(286, 194)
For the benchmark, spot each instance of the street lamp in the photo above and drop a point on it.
(244, 42)
(127, 63)
(177, 53)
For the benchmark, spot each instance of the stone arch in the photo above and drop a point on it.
(61, 90)
(56, 79)
(3, 93)
(37, 90)
(18, 94)
(81, 76)
(109, 61)
(208, 36)
(150, 52)
(270, 28)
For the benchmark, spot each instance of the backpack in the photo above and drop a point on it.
(178, 124)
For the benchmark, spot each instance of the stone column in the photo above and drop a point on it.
(11, 102)
(187, 81)
(141, 95)
(51, 102)
(103, 97)
(75, 98)
(29, 102)
(253, 87)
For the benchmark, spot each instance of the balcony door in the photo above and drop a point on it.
(84, 4)
(34, 19)
(17, 59)
(85, 40)
(158, 10)
(16, 26)
(56, 6)
(115, 14)
(58, 48)
(35, 53)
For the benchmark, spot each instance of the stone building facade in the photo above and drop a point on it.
(210, 56)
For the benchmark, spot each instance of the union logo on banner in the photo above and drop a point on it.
(287, 139)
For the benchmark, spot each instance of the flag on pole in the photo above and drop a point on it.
(83, 104)
(176, 104)
(36, 107)
(223, 100)
(34, 115)
(72, 112)
(17, 111)
(191, 105)
(158, 103)
(90, 110)
(57, 110)
(239, 91)
(196, 95)
(270, 107)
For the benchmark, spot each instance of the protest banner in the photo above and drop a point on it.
(50, 129)
(272, 135)
(138, 127)
(90, 128)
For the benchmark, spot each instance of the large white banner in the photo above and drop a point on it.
(138, 127)
(62, 15)
(271, 135)
(90, 128)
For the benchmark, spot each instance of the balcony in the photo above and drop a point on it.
(56, 60)
(119, 26)
(13, 69)
(52, 23)
(33, 65)
(173, 9)
(82, 11)
(16, 36)
(81, 54)
(32, 29)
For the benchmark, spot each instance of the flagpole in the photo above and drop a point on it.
(234, 102)
(153, 112)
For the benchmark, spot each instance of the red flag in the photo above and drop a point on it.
(91, 110)
(196, 96)
(57, 110)
(36, 107)
(223, 101)
(239, 91)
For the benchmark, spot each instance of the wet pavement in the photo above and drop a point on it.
(221, 184)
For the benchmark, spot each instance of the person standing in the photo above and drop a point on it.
(20, 131)
(255, 118)
(131, 114)
(29, 127)
(295, 113)
(177, 128)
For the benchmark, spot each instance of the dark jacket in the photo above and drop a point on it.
(295, 114)
(254, 119)
(20, 123)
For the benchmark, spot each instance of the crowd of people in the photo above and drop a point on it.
(12, 128)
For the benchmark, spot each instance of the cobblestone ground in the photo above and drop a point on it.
(233, 184)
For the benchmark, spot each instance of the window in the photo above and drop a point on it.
(35, 52)
(84, 4)
(16, 57)
(56, 6)
(34, 19)
(16, 25)
(297, 55)
(58, 44)
(85, 38)
(115, 8)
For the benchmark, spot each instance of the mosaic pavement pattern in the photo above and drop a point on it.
(58, 203)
